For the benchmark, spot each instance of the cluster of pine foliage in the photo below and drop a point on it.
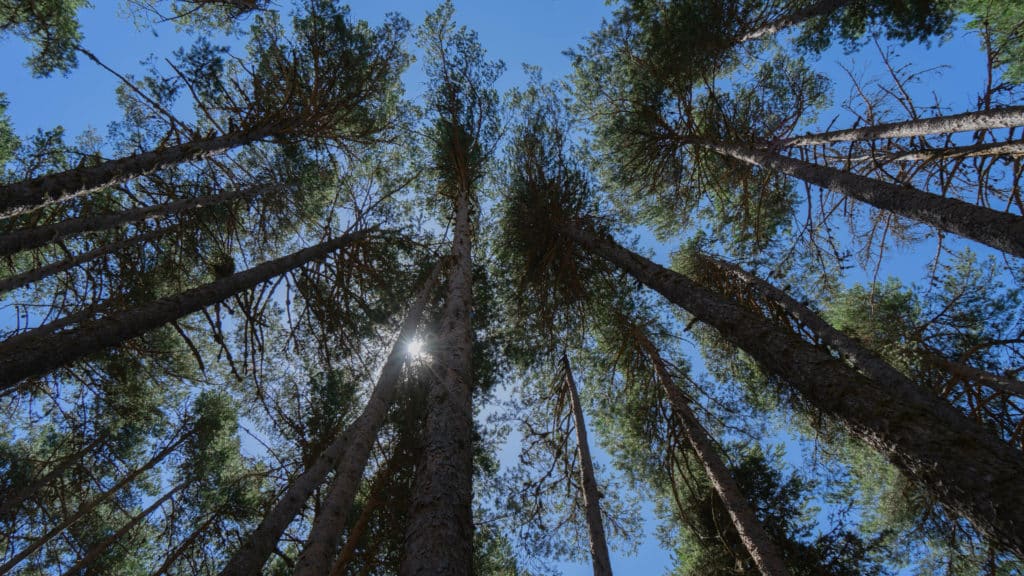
(284, 316)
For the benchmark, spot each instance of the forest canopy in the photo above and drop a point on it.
(342, 293)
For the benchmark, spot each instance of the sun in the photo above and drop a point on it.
(415, 348)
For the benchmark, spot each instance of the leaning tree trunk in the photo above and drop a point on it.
(36, 236)
(28, 195)
(325, 535)
(103, 545)
(1011, 148)
(766, 556)
(439, 536)
(35, 355)
(1000, 230)
(185, 545)
(45, 271)
(966, 122)
(91, 505)
(599, 557)
(819, 8)
(966, 468)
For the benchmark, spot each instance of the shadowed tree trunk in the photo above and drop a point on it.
(591, 495)
(346, 452)
(1000, 230)
(36, 236)
(35, 355)
(185, 545)
(965, 122)
(28, 195)
(794, 18)
(965, 467)
(767, 557)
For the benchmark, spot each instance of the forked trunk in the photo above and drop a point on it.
(966, 122)
(1000, 230)
(35, 355)
(599, 557)
(28, 195)
(965, 467)
(347, 454)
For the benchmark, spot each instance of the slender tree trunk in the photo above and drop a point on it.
(185, 545)
(599, 557)
(374, 499)
(35, 356)
(43, 272)
(797, 17)
(1010, 148)
(11, 502)
(767, 557)
(439, 536)
(100, 547)
(966, 122)
(1000, 230)
(91, 505)
(28, 195)
(997, 382)
(348, 454)
(36, 236)
(966, 468)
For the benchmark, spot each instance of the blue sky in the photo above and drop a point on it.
(526, 31)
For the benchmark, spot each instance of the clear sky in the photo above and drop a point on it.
(523, 31)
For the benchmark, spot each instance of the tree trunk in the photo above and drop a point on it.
(102, 546)
(1011, 148)
(766, 556)
(28, 195)
(373, 501)
(36, 236)
(819, 8)
(1000, 230)
(185, 545)
(439, 536)
(11, 502)
(37, 355)
(591, 495)
(43, 272)
(966, 468)
(90, 506)
(966, 122)
(347, 454)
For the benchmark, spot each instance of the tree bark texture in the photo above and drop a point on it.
(36, 236)
(819, 8)
(965, 122)
(325, 535)
(37, 355)
(439, 536)
(599, 556)
(28, 195)
(1000, 230)
(967, 468)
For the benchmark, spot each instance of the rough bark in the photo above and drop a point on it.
(1000, 230)
(819, 8)
(36, 236)
(1011, 148)
(965, 122)
(439, 536)
(348, 454)
(89, 506)
(766, 556)
(100, 547)
(599, 557)
(28, 195)
(43, 272)
(11, 502)
(965, 467)
(34, 355)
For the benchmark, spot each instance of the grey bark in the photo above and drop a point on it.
(90, 506)
(45, 271)
(766, 556)
(599, 557)
(439, 536)
(325, 535)
(36, 236)
(1000, 230)
(965, 122)
(794, 18)
(964, 466)
(1011, 148)
(28, 195)
(38, 354)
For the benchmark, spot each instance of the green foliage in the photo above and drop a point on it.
(1000, 20)
(51, 26)
(901, 20)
